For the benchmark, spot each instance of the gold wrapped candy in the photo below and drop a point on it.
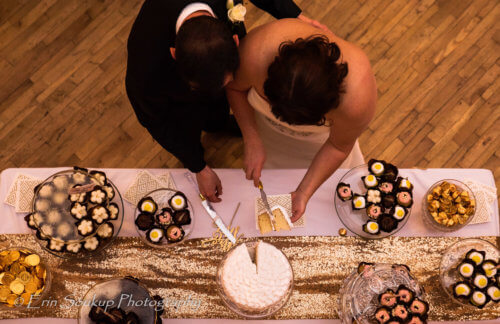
(22, 276)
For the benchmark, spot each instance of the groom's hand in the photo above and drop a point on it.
(315, 23)
(209, 184)
(255, 156)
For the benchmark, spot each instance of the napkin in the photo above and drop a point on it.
(12, 193)
(145, 182)
(284, 201)
(24, 194)
(485, 196)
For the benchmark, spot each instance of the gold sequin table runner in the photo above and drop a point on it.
(184, 275)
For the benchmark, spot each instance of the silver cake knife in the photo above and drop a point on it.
(263, 196)
(211, 211)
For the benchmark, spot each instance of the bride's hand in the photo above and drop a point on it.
(299, 203)
(255, 156)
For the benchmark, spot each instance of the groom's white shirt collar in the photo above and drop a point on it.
(189, 9)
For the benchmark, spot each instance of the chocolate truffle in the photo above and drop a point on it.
(182, 217)
(175, 233)
(144, 221)
(387, 223)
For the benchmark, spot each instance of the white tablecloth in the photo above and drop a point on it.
(321, 218)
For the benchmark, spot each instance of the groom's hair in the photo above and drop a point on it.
(205, 53)
(304, 81)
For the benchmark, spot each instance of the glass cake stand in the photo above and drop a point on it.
(161, 197)
(247, 314)
(355, 219)
(358, 296)
(128, 294)
(47, 227)
(448, 274)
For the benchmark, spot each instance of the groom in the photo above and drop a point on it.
(181, 54)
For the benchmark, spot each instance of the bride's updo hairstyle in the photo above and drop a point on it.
(304, 81)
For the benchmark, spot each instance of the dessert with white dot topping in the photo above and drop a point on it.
(260, 285)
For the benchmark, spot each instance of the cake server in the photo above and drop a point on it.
(263, 196)
(211, 211)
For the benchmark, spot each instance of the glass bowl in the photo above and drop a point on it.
(127, 293)
(20, 300)
(67, 180)
(358, 296)
(161, 197)
(448, 274)
(355, 219)
(248, 314)
(429, 220)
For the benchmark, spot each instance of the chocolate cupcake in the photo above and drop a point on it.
(390, 173)
(109, 191)
(388, 299)
(78, 210)
(113, 211)
(165, 217)
(144, 221)
(99, 177)
(358, 202)
(55, 245)
(91, 243)
(182, 217)
(419, 307)
(386, 187)
(98, 196)
(97, 313)
(387, 223)
(147, 205)
(404, 198)
(374, 211)
(373, 196)
(370, 181)
(106, 230)
(401, 312)
(85, 226)
(99, 214)
(405, 295)
(155, 235)
(377, 167)
(382, 315)
(78, 197)
(174, 233)
(388, 201)
(178, 201)
(74, 247)
(344, 191)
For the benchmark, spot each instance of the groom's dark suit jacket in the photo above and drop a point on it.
(172, 113)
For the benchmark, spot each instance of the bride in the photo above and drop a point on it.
(301, 97)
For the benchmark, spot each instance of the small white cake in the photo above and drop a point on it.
(256, 286)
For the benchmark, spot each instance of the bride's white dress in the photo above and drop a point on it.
(292, 146)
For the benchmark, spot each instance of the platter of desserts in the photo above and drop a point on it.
(122, 300)
(255, 279)
(76, 213)
(382, 293)
(164, 217)
(449, 205)
(469, 273)
(373, 200)
(24, 278)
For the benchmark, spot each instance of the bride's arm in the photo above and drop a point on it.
(348, 126)
(254, 155)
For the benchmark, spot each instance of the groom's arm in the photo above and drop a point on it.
(278, 8)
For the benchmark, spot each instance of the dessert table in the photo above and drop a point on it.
(320, 216)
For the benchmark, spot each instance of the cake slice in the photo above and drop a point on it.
(265, 225)
(281, 218)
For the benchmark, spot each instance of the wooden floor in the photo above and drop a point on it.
(63, 103)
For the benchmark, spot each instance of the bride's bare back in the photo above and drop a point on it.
(260, 47)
